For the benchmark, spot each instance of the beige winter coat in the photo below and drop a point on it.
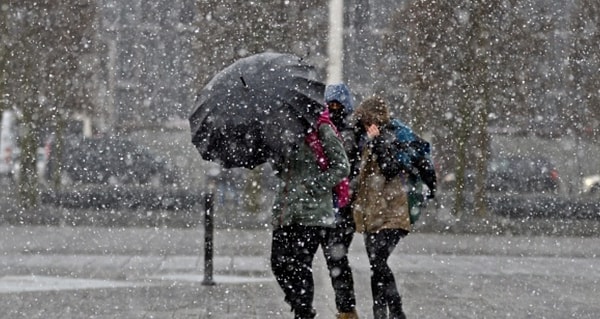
(379, 204)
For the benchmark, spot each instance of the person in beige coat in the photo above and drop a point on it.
(381, 207)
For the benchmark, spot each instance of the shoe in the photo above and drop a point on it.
(305, 314)
(380, 312)
(347, 315)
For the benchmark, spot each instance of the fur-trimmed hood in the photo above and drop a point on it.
(373, 110)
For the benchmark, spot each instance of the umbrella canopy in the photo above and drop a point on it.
(257, 108)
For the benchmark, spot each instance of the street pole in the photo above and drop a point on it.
(211, 174)
(335, 42)
(208, 240)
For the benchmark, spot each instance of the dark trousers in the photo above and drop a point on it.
(336, 256)
(383, 284)
(292, 252)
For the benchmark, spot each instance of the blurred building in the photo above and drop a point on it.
(144, 62)
(146, 71)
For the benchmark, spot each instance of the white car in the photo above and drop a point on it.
(591, 184)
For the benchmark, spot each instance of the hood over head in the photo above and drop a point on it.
(373, 110)
(341, 93)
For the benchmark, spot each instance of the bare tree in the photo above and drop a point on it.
(45, 39)
(451, 59)
(3, 58)
(431, 36)
(583, 111)
(229, 30)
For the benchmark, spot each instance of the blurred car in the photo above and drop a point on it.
(109, 160)
(523, 174)
(516, 174)
(591, 184)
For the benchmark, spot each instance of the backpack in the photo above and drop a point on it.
(414, 154)
(341, 191)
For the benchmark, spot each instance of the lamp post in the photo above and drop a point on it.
(212, 174)
(335, 42)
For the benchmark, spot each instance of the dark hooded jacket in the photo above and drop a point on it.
(341, 93)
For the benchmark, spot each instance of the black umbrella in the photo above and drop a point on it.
(257, 108)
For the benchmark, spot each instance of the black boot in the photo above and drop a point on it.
(399, 315)
(380, 312)
(396, 311)
(305, 313)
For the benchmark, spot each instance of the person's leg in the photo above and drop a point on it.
(282, 261)
(392, 292)
(383, 284)
(305, 248)
(292, 253)
(336, 256)
(379, 302)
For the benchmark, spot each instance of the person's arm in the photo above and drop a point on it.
(386, 151)
(336, 156)
(352, 145)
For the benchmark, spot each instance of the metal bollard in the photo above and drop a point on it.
(208, 241)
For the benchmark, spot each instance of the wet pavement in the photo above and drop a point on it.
(129, 272)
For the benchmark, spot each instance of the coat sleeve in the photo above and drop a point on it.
(339, 167)
(351, 137)
(386, 149)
